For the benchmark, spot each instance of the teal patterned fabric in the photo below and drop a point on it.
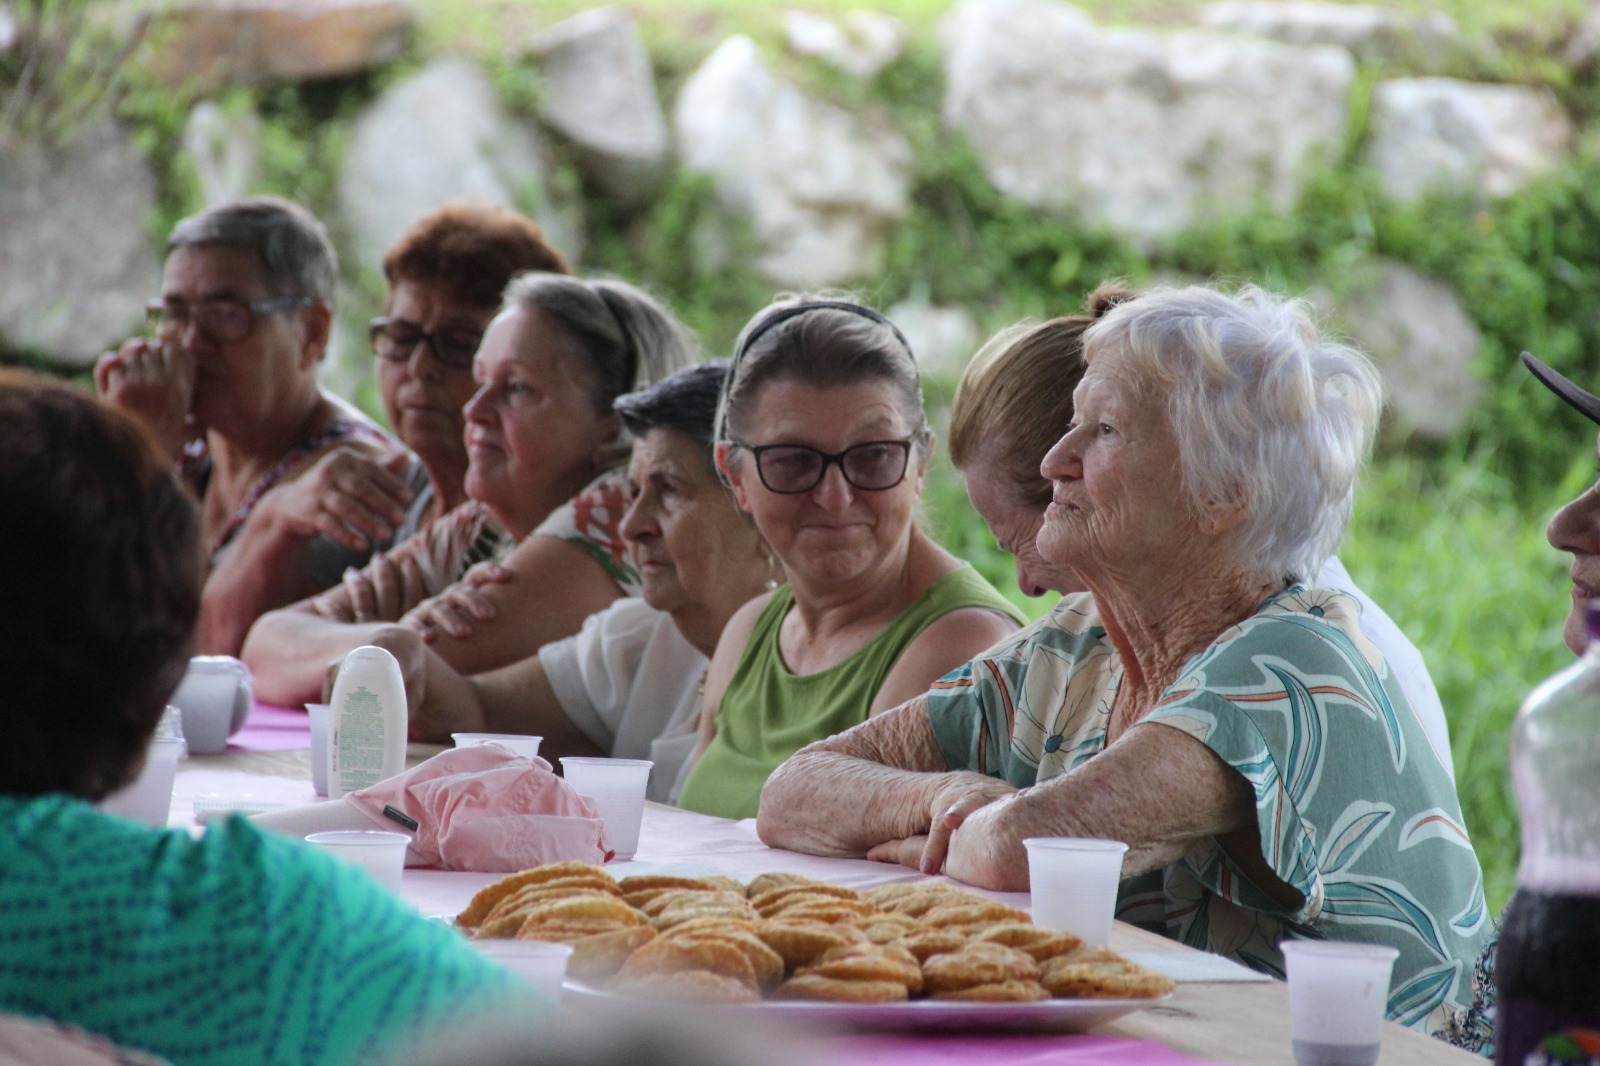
(236, 948)
(1353, 808)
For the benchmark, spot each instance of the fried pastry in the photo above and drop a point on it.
(773, 900)
(841, 990)
(672, 955)
(776, 879)
(599, 956)
(1039, 942)
(800, 943)
(689, 986)
(926, 943)
(490, 895)
(998, 992)
(870, 962)
(1092, 975)
(977, 963)
(963, 913)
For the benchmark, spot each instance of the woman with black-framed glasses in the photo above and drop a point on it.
(823, 439)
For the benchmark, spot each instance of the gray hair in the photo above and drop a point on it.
(627, 339)
(1262, 407)
(291, 245)
(825, 342)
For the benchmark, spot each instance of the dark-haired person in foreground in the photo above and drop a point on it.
(228, 950)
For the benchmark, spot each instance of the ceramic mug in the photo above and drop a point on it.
(215, 697)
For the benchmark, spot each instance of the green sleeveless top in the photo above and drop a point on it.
(768, 713)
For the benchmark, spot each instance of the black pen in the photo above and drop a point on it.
(395, 814)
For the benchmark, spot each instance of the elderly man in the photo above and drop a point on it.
(229, 384)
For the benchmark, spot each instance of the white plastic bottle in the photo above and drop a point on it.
(366, 721)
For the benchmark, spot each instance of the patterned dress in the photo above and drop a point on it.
(1352, 810)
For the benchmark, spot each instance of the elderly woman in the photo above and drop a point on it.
(446, 275)
(1235, 728)
(229, 385)
(628, 684)
(231, 948)
(1002, 423)
(542, 442)
(823, 439)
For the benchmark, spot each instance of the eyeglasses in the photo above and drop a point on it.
(394, 339)
(223, 318)
(871, 466)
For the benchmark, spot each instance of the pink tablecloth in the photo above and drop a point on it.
(272, 728)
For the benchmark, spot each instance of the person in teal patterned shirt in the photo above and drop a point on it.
(1200, 702)
(227, 950)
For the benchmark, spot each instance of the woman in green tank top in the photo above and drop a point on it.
(823, 439)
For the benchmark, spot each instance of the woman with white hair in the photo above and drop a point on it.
(1199, 702)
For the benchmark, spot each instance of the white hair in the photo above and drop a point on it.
(1263, 408)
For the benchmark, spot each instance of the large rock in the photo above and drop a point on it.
(1373, 34)
(77, 261)
(224, 151)
(442, 134)
(1145, 132)
(1419, 335)
(600, 94)
(1441, 135)
(208, 45)
(862, 43)
(819, 186)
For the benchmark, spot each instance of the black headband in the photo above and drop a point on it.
(793, 310)
(1583, 401)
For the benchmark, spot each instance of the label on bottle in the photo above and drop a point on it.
(1570, 1046)
(360, 743)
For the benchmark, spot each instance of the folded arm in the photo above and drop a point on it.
(877, 782)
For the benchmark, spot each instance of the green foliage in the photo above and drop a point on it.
(65, 69)
(1462, 565)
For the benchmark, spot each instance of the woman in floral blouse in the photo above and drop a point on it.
(1199, 702)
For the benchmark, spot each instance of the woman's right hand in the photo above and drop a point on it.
(460, 609)
(154, 382)
(965, 794)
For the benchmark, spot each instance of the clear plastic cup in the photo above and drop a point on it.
(148, 798)
(543, 964)
(1073, 881)
(318, 713)
(518, 743)
(1337, 995)
(617, 787)
(383, 855)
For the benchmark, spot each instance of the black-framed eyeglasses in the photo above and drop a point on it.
(223, 318)
(870, 466)
(394, 339)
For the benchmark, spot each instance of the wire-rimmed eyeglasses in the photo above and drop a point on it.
(223, 318)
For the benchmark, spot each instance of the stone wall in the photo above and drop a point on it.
(1144, 132)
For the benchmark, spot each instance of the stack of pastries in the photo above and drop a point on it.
(782, 936)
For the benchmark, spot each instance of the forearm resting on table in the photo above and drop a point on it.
(1157, 789)
(847, 794)
(262, 569)
(289, 651)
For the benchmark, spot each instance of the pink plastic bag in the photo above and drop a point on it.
(486, 810)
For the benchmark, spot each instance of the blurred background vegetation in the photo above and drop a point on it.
(1448, 538)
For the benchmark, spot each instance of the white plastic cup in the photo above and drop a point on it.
(541, 963)
(148, 798)
(383, 855)
(617, 787)
(1337, 995)
(1073, 882)
(318, 713)
(215, 696)
(518, 743)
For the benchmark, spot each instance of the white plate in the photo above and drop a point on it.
(926, 1015)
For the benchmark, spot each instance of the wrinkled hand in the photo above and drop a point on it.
(154, 382)
(387, 587)
(460, 609)
(347, 496)
(956, 801)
